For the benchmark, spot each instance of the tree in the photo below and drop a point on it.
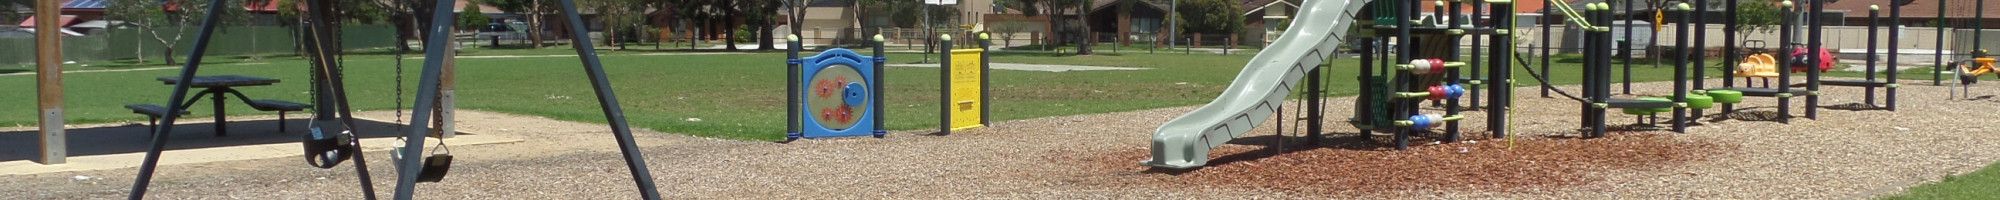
(532, 9)
(1053, 9)
(1082, 19)
(167, 26)
(1758, 17)
(406, 15)
(764, 17)
(7, 8)
(616, 14)
(471, 18)
(1210, 16)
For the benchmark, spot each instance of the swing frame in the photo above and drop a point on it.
(434, 61)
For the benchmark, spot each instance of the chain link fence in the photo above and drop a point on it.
(120, 44)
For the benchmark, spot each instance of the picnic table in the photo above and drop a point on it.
(215, 87)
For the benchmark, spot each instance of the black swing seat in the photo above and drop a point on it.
(327, 151)
(1767, 92)
(1635, 103)
(1855, 83)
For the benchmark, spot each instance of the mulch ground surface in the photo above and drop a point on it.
(1358, 166)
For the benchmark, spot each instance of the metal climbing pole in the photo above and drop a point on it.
(1815, 47)
(1625, 49)
(1729, 55)
(1700, 52)
(1502, 77)
(1895, 34)
(1937, 65)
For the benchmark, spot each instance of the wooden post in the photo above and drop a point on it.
(48, 82)
(447, 97)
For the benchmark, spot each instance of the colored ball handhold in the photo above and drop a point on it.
(1420, 66)
(1454, 91)
(1420, 122)
(1437, 66)
(1437, 92)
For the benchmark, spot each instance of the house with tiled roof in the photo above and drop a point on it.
(79, 16)
(1957, 13)
(1145, 21)
(848, 19)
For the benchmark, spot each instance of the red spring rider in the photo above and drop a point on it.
(1800, 63)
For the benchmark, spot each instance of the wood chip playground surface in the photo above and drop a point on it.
(1842, 155)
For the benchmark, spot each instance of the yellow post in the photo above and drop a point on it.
(48, 81)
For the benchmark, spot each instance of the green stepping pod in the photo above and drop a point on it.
(1726, 96)
(1649, 111)
(1699, 102)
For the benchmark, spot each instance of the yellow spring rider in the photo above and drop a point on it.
(1969, 71)
(1760, 64)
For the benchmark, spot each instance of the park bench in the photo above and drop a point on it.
(153, 114)
(280, 106)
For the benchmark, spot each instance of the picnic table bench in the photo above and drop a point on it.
(216, 87)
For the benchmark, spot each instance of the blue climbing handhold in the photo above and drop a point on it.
(1420, 122)
(855, 93)
(1454, 91)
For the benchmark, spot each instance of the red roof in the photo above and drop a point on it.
(1917, 10)
(66, 21)
(1520, 6)
(261, 6)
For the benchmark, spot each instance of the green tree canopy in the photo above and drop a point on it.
(471, 18)
(1210, 16)
(1758, 17)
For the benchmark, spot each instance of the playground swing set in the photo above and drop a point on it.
(332, 139)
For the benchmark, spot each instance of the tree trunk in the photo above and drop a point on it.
(535, 23)
(1083, 26)
(140, 48)
(253, 44)
(169, 55)
(766, 35)
(729, 39)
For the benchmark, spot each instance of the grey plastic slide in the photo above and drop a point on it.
(1259, 89)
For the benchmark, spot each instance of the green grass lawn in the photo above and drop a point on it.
(736, 96)
(1982, 184)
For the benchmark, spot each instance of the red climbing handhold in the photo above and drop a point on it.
(1437, 92)
(825, 89)
(846, 114)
